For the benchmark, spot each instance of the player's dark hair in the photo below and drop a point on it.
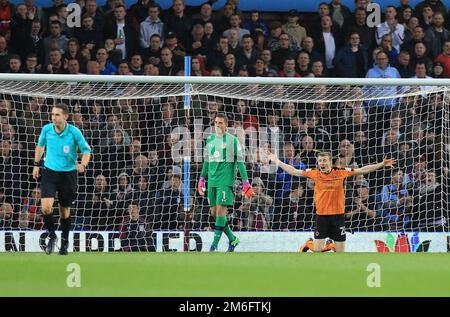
(63, 107)
(223, 116)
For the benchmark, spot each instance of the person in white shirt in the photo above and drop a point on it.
(391, 26)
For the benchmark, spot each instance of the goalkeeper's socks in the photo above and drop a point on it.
(221, 221)
(229, 233)
(65, 228)
(49, 224)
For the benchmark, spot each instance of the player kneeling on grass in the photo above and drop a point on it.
(328, 198)
(223, 154)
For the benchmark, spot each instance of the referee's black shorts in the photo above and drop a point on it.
(330, 226)
(65, 183)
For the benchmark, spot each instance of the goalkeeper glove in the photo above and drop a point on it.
(247, 189)
(201, 185)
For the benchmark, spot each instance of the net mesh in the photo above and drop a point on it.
(141, 135)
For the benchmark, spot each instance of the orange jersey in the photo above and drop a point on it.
(329, 190)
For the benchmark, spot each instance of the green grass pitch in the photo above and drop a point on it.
(222, 274)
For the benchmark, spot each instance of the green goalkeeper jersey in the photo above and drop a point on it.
(223, 156)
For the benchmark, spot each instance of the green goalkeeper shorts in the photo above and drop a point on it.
(222, 196)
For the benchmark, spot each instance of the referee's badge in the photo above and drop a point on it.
(66, 149)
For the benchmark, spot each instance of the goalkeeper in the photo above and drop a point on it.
(328, 198)
(223, 155)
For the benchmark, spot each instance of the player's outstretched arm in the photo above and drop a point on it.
(372, 168)
(286, 167)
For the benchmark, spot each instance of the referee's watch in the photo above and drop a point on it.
(36, 163)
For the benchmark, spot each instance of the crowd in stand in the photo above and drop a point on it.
(134, 178)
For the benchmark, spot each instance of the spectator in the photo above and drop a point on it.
(362, 216)
(206, 16)
(339, 13)
(351, 60)
(248, 119)
(224, 17)
(88, 36)
(151, 25)
(255, 24)
(405, 13)
(284, 180)
(292, 27)
(438, 70)
(106, 68)
(4, 54)
(210, 39)
(283, 52)
(97, 15)
(20, 27)
(434, 5)
(308, 153)
(308, 47)
(418, 36)
(391, 26)
(136, 65)
(152, 54)
(93, 68)
(443, 58)
(328, 42)
(436, 35)
(256, 210)
(121, 30)
(6, 216)
(235, 24)
(168, 204)
(396, 202)
(420, 54)
(196, 43)
(135, 234)
(426, 17)
(246, 57)
(54, 41)
(321, 136)
(409, 29)
(303, 64)
(114, 54)
(216, 57)
(295, 212)
(31, 210)
(139, 10)
(15, 65)
(7, 12)
(403, 65)
(427, 212)
(198, 67)
(382, 70)
(318, 69)
(55, 65)
(386, 46)
(167, 67)
(346, 155)
(266, 56)
(230, 65)
(33, 42)
(179, 22)
(288, 68)
(358, 24)
(11, 169)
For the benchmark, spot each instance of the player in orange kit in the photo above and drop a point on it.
(328, 198)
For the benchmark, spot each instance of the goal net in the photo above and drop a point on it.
(148, 135)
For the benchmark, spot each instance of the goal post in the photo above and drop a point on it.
(148, 136)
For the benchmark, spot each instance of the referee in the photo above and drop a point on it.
(61, 140)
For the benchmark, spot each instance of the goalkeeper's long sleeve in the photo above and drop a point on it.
(242, 171)
(204, 172)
